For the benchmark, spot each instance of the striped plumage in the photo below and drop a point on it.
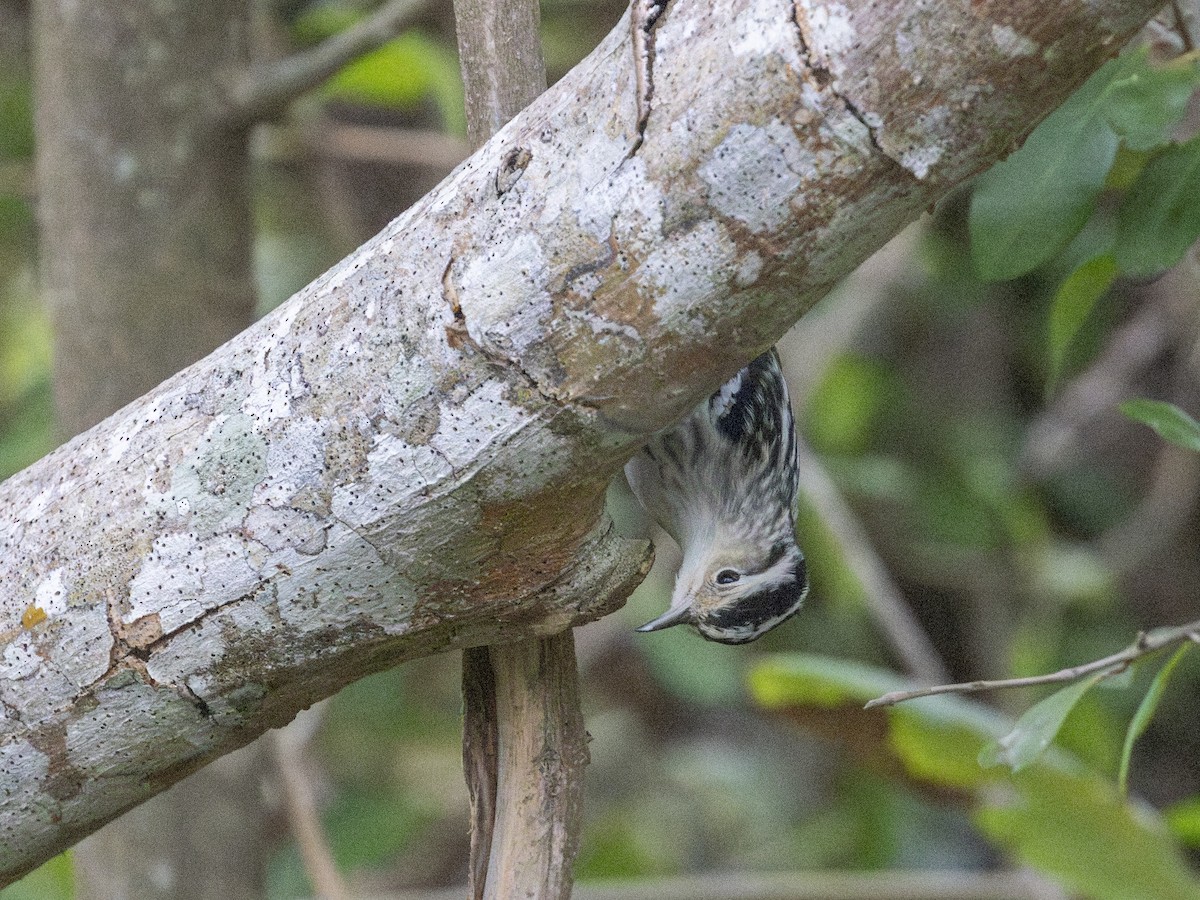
(723, 484)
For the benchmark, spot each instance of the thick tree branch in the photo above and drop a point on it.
(410, 455)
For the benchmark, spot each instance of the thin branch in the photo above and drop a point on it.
(289, 744)
(1144, 645)
(1186, 24)
(385, 144)
(264, 90)
(885, 601)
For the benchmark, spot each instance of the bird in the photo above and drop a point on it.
(723, 483)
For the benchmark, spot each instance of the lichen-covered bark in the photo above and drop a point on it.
(410, 454)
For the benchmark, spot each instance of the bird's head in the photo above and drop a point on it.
(734, 592)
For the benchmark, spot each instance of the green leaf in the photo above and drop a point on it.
(845, 409)
(1159, 218)
(816, 681)
(1025, 209)
(940, 753)
(1074, 301)
(1146, 105)
(1145, 713)
(400, 73)
(1171, 422)
(53, 880)
(1055, 814)
(1081, 831)
(1184, 820)
(1036, 728)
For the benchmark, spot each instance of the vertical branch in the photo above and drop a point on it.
(480, 752)
(524, 745)
(542, 754)
(500, 53)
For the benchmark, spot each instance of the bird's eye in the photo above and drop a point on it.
(727, 576)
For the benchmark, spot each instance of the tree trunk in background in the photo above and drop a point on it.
(147, 266)
(146, 220)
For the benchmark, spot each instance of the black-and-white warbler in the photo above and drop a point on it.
(723, 484)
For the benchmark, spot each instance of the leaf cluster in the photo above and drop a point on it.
(1113, 141)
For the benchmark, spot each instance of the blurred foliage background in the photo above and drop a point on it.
(972, 477)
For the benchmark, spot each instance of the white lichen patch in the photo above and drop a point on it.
(757, 33)
(686, 272)
(274, 378)
(908, 42)
(753, 174)
(82, 651)
(352, 580)
(602, 327)
(212, 487)
(269, 397)
(467, 429)
(192, 654)
(183, 579)
(1012, 43)
(20, 658)
(629, 200)
(45, 498)
(295, 460)
(397, 471)
(51, 595)
(169, 583)
(830, 27)
(226, 571)
(835, 120)
(277, 529)
(748, 270)
(503, 295)
(920, 159)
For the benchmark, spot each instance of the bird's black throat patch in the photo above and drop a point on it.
(756, 610)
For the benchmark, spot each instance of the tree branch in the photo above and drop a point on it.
(884, 600)
(265, 90)
(524, 744)
(296, 780)
(1145, 644)
(410, 455)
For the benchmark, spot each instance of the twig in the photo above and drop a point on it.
(885, 602)
(385, 144)
(289, 744)
(1144, 645)
(1185, 24)
(265, 90)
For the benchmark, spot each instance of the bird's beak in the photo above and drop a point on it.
(671, 617)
